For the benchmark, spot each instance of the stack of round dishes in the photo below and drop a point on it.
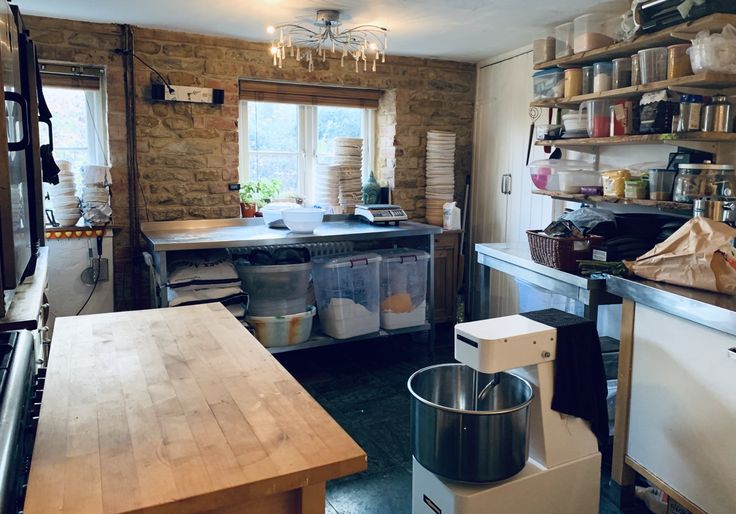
(63, 196)
(327, 186)
(440, 173)
(95, 193)
(349, 156)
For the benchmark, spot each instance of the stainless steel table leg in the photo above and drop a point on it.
(430, 297)
(483, 302)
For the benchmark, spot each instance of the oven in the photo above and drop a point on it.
(21, 389)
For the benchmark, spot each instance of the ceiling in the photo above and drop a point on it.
(467, 30)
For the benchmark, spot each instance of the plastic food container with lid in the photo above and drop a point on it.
(403, 280)
(564, 39)
(678, 61)
(653, 64)
(543, 49)
(546, 174)
(347, 292)
(548, 84)
(592, 31)
(696, 181)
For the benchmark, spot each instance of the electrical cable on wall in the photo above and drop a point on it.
(120, 51)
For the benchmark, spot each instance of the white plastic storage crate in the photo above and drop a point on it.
(347, 291)
(403, 288)
(283, 330)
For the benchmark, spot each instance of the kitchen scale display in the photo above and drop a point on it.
(381, 213)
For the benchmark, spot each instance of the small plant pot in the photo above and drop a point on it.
(248, 210)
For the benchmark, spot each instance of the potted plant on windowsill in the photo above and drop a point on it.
(255, 194)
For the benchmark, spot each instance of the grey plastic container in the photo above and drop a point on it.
(275, 290)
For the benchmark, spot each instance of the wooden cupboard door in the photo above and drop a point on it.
(446, 253)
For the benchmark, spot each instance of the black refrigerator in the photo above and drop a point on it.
(21, 202)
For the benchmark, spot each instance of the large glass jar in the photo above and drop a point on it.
(696, 181)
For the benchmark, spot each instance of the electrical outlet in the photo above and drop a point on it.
(98, 272)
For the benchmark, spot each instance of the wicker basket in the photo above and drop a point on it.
(562, 253)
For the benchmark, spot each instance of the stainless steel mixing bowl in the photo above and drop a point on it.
(461, 438)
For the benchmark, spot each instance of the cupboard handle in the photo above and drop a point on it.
(732, 352)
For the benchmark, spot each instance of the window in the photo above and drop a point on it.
(289, 141)
(79, 119)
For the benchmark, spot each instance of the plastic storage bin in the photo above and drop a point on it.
(549, 84)
(283, 330)
(543, 49)
(545, 173)
(572, 181)
(592, 31)
(653, 64)
(602, 76)
(275, 290)
(347, 292)
(564, 39)
(403, 288)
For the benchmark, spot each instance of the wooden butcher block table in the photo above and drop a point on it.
(178, 411)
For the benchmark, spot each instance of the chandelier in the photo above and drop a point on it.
(362, 44)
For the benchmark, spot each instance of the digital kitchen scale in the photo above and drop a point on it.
(381, 213)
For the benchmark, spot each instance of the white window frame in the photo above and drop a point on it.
(307, 146)
(97, 131)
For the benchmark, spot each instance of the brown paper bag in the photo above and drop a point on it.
(697, 255)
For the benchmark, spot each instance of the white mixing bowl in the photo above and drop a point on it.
(303, 219)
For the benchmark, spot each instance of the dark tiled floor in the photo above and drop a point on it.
(363, 386)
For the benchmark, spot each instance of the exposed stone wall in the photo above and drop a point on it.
(188, 153)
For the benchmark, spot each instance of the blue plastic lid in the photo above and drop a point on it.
(692, 99)
(548, 72)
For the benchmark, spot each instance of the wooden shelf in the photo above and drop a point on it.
(26, 303)
(713, 22)
(643, 139)
(658, 204)
(705, 80)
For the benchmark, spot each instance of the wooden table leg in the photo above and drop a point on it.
(622, 476)
(313, 499)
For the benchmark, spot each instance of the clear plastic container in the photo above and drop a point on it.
(283, 330)
(545, 173)
(653, 64)
(602, 76)
(678, 61)
(621, 73)
(564, 39)
(661, 182)
(543, 49)
(587, 80)
(599, 117)
(549, 84)
(573, 82)
(347, 292)
(592, 31)
(635, 70)
(403, 287)
(572, 181)
(275, 290)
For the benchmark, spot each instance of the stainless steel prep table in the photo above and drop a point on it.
(171, 236)
(514, 259)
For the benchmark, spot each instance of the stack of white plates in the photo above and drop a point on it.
(440, 173)
(327, 185)
(63, 197)
(349, 156)
(95, 193)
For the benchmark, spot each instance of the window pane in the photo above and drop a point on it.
(271, 166)
(273, 127)
(335, 122)
(70, 110)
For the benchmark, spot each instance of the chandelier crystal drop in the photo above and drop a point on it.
(365, 44)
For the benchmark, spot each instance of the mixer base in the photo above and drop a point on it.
(570, 488)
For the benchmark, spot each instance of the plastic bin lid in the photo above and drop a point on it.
(403, 255)
(245, 266)
(549, 71)
(352, 260)
(563, 165)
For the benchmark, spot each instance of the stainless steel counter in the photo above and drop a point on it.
(714, 310)
(167, 236)
(514, 259)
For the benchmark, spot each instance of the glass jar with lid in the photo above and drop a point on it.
(696, 181)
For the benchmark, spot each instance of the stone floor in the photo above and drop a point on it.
(363, 386)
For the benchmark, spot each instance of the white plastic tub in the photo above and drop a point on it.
(283, 330)
(347, 292)
(403, 287)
